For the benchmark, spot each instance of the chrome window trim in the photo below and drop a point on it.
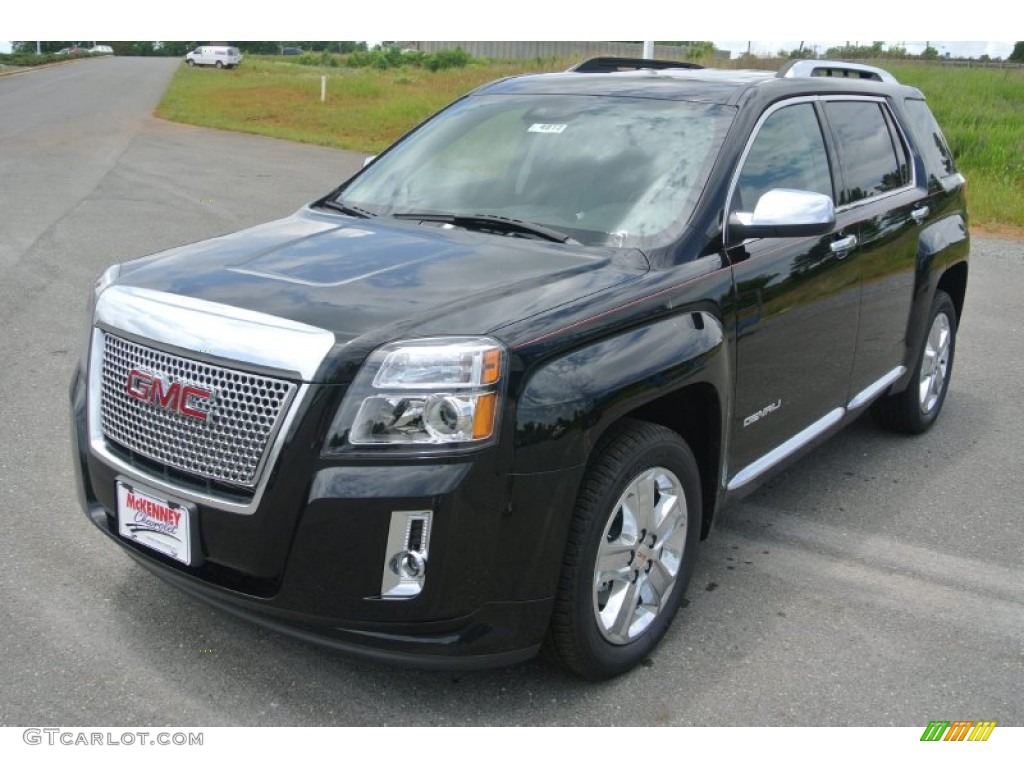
(215, 330)
(811, 100)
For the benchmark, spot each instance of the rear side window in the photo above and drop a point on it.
(788, 153)
(872, 155)
(938, 160)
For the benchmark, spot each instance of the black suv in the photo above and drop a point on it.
(488, 395)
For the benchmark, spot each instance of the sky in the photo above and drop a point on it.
(524, 20)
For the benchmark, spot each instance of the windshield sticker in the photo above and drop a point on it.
(547, 128)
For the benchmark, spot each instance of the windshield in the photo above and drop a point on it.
(606, 171)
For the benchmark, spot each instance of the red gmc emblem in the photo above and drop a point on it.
(153, 388)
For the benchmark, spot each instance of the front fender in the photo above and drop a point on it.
(571, 400)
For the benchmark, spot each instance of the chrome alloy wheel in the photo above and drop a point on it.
(934, 363)
(640, 555)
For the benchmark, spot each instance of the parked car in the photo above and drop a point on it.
(292, 51)
(488, 395)
(214, 56)
(102, 49)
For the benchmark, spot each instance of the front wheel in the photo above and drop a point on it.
(190, 62)
(630, 551)
(219, 65)
(917, 407)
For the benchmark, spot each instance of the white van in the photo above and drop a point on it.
(214, 56)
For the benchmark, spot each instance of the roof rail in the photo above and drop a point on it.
(820, 68)
(619, 64)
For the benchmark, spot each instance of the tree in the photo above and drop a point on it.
(1018, 51)
(175, 47)
(46, 46)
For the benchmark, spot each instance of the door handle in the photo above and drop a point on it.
(843, 246)
(920, 214)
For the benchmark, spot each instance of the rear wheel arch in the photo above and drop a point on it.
(954, 283)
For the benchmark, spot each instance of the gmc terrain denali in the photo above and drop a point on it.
(488, 395)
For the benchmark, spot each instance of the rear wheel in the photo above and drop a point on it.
(915, 409)
(630, 551)
(219, 65)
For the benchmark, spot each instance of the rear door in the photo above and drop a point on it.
(884, 209)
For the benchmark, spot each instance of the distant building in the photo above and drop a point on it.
(546, 49)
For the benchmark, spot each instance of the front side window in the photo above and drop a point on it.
(873, 158)
(788, 153)
(606, 171)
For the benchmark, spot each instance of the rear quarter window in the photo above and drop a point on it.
(938, 160)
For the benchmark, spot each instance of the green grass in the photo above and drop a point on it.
(366, 109)
(981, 111)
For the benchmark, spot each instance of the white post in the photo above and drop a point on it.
(323, 87)
(648, 49)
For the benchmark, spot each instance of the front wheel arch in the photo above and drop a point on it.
(609, 615)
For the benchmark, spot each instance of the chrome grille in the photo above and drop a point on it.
(228, 446)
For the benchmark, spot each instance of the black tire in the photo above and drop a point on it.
(634, 456)
(219, 65)
(916, 408)
(190, 62)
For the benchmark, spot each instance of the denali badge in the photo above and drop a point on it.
(762, 413)
(154, 388)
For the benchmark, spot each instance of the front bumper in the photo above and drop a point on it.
(308, 562)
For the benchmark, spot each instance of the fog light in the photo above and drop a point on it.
(408, 565)
(405, 556)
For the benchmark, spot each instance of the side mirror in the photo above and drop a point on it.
(784, 213)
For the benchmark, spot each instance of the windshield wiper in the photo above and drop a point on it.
(490, 222)
(346, 208)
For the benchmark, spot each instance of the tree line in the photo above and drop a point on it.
(876, 49)
(181, 47)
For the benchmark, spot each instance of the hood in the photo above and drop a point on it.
(355, 276)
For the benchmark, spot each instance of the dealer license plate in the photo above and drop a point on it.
(154, 522)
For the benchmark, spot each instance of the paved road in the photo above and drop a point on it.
(880, 581)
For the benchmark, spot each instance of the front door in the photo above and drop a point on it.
(797, 299)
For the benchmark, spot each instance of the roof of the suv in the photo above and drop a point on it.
(715, 86)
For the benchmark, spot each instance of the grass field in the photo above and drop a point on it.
(980, 111)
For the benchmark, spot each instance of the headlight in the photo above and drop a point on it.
(423, 392)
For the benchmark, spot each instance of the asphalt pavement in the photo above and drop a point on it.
(880, 581)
